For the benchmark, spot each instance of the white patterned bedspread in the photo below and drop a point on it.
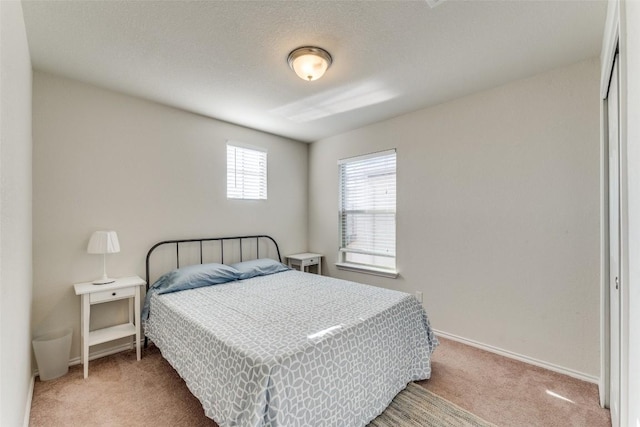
(293, 349)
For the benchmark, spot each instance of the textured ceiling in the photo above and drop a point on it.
(227, 59)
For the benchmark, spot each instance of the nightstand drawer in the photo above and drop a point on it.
(112, 295)
(310, 261)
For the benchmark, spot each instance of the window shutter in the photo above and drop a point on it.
(368, 209)
(246, 173)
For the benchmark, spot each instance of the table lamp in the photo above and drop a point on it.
(103, 242)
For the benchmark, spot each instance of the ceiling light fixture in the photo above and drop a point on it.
(309, 63)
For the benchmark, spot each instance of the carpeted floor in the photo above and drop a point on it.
(123, 392)
(511, 393)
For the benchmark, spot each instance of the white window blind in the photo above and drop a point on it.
(368, 209)
(246, 173)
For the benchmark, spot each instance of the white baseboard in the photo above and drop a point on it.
(101, 353)
(546, 365)
(27, 409)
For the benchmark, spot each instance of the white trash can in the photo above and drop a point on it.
(52, 354)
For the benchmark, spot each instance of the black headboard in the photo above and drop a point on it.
(250, 242)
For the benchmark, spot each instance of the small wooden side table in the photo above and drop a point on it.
(305, 260)
(125, 287)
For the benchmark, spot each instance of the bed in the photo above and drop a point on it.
(278, 347)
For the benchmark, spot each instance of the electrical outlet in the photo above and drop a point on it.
(419, 296)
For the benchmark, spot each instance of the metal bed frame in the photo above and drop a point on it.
(222, 240)
(252, 240)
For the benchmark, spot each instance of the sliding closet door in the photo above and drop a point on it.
(614, 243)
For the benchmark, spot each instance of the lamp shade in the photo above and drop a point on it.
(103, 242)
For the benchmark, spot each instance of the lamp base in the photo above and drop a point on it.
(103, 281)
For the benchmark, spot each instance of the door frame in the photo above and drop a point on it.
(609, 48)
(617, 24)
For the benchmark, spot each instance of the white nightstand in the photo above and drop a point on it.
(125, 287)
(302, 261)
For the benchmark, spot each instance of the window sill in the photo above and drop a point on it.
(393, 274)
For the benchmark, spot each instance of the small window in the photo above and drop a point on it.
(246, 173)
(368, 210)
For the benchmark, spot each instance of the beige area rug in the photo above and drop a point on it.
(121, 391)
(416, 406)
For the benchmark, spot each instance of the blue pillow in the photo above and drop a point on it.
(258, 267)
(193, 276)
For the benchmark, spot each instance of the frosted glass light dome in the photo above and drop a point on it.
(309, 63)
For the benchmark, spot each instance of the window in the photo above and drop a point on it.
(368, 211)
(246, 173)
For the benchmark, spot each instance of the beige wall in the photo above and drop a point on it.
(104, 160)
(15, 215)
(498, 213)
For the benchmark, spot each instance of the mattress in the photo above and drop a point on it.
(293, 348)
